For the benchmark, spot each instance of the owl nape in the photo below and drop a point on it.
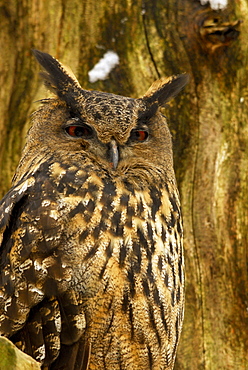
(92, 267)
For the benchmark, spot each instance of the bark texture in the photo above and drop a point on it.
(208, 122)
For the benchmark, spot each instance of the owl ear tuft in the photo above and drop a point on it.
(165, 89)
(58, 79)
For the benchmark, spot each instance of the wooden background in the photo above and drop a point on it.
(208, 122)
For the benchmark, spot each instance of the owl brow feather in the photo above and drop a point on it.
(55, 75)
(163, 90)
(59, 81)
(145, 115)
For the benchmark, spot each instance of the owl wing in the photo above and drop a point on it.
(37, 311)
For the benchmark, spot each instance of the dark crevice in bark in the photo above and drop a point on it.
(148, 43)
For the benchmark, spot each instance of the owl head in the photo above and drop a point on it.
(121, 135)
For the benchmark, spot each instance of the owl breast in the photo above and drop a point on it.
(122, 246)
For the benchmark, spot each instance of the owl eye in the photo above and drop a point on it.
(139, 135)
(79, 131)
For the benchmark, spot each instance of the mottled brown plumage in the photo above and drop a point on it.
(92, 273)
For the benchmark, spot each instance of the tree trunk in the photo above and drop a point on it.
(208, 123)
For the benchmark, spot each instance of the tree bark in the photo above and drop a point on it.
(208, 124)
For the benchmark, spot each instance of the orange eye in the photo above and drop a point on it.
(141, 135)
(79, 131)
(138, 135)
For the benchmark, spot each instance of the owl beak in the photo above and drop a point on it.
(113, 154)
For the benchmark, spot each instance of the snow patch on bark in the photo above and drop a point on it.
(105, 65)
(215, 4)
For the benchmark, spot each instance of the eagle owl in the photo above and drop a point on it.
(92, 271)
